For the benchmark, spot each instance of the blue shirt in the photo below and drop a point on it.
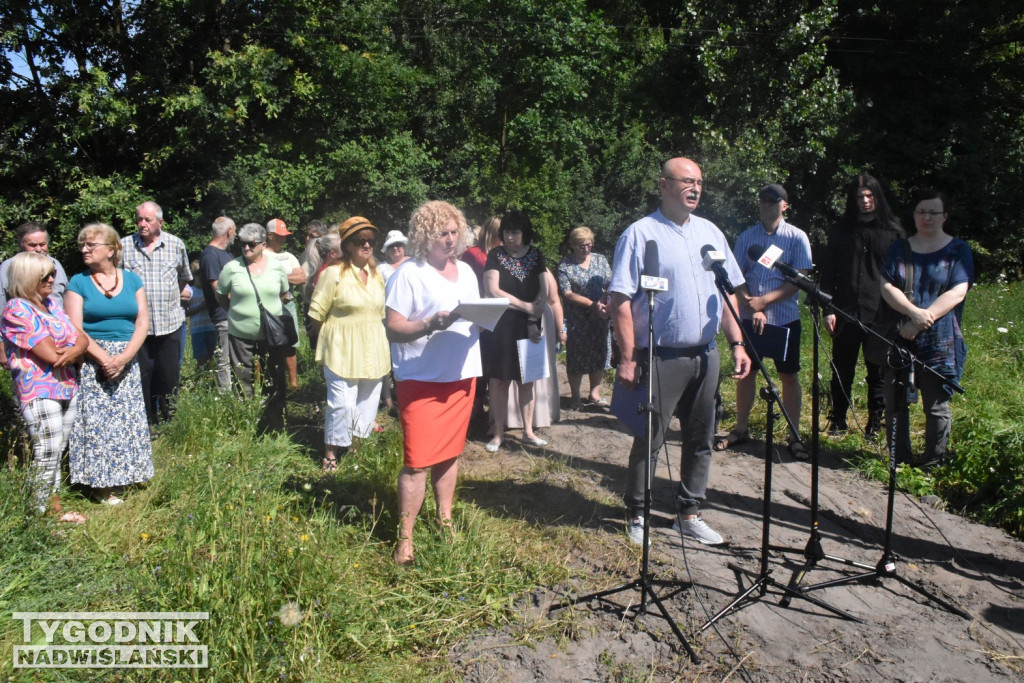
(690, 312)
(796, 251)
(108, 319)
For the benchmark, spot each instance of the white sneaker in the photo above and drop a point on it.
(698, 529)
(636, 531)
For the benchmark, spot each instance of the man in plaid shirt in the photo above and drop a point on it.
(160, 259)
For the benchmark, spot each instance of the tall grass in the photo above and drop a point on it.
(244, 527)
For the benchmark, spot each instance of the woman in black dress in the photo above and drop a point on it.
(515, 271)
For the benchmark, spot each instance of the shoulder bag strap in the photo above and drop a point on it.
(259, 303)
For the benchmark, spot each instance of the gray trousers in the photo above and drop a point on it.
(938, 419)
(222, 357)
(689, 382)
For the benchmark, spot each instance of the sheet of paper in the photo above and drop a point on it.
(482, 312)
(533, 360)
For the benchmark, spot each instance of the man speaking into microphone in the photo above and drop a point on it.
(686, 319)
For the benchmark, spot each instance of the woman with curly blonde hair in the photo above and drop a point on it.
(436, 358)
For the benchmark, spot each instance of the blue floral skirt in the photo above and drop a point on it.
(110, 439)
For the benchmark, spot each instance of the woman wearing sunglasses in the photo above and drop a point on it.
(245, 283)
(42, 346)
(347, 314)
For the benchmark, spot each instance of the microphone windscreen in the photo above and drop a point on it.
(755, 251)
(705, 249)
(651, 265)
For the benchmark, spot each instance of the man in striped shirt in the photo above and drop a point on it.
(160, 259)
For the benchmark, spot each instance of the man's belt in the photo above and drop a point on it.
(672, 352)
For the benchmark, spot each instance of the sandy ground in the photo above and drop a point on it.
(901, 636)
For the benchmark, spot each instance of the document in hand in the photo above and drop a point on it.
(773, 343)
(482, 312)
(533, 360)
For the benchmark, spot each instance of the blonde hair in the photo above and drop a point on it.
(25, 273)
(107, 235)
(427, 223)
(578, 235)
(491, 233)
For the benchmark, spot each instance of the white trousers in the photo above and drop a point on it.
(351, 408)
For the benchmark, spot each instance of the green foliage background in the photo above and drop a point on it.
(325, 109)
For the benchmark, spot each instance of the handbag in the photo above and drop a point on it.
(278, 330)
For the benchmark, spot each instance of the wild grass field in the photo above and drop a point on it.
(295, 568)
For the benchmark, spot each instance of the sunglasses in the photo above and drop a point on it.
(367, 242)
(250, 245)
(48, 275)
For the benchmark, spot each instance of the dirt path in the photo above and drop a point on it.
(577, 481)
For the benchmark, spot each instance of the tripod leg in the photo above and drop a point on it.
(931, 596)
(672, 624)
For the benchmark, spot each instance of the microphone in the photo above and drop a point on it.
(712, 262)
(649, 279)
(769, 258)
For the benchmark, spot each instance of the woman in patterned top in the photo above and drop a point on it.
(42, 346)
(941, 273)
(583, 278)
(110, 442)
(514, 271)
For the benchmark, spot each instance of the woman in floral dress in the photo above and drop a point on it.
(583, 278)
(110, 446)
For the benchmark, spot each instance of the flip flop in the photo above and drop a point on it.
(733, 438)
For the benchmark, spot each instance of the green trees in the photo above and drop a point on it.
(328, 108)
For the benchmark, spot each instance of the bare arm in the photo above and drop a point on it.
(622, 314)
(733, 333)
(401, 330)
(71, 355)
(297, 277)
(556, 306)
(73, 307)
(532, 308)
(118, 362)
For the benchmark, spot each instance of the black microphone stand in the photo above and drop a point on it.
(813, 552)
(644, 583)
(763, 578)
(898, 451)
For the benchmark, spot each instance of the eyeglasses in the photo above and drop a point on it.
(48, 275)
(89, 246)
(687, 182)
(929, 214)
(250, 245)
(588, 245)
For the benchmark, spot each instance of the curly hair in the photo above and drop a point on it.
(103, 233)
(426, 224)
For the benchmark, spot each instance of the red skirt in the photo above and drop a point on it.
(435, 418)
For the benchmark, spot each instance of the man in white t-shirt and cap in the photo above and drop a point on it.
(394, 254)
(277, 233)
